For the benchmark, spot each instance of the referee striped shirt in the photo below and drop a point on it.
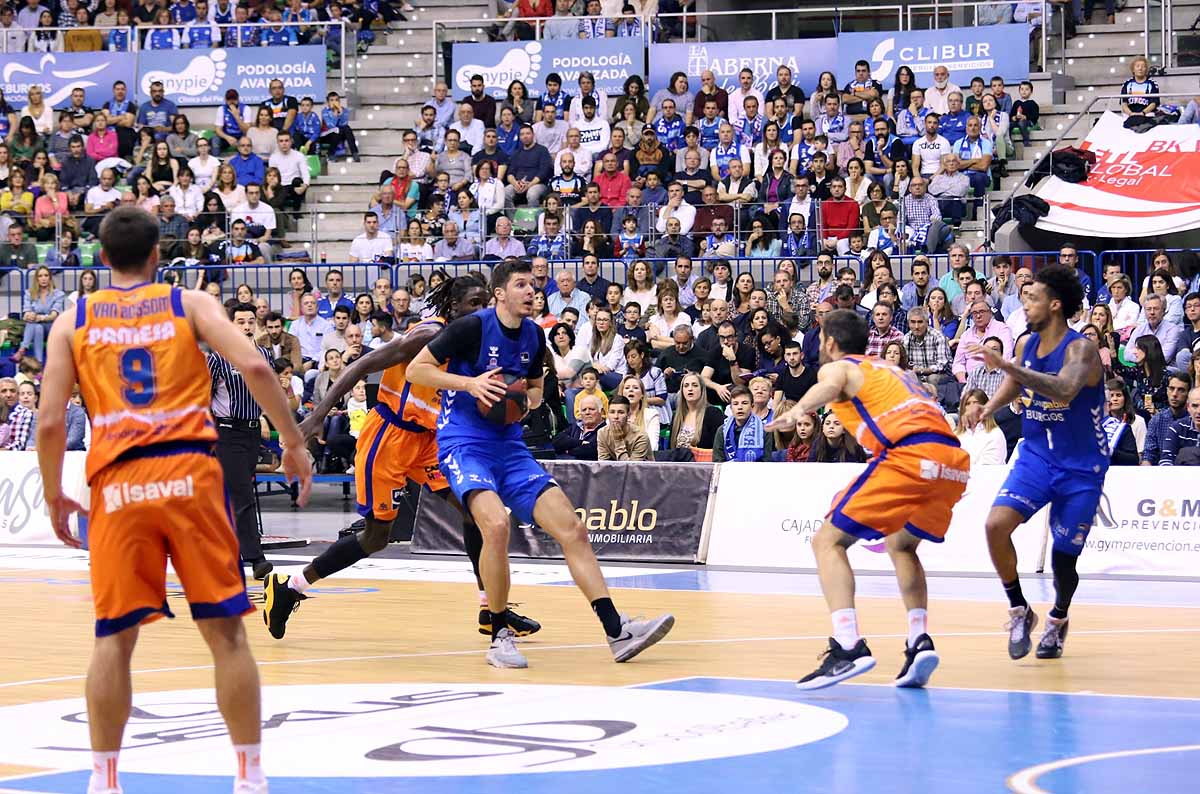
(231, 398)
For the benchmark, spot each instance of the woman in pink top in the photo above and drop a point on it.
(102, 143)
(48, 205)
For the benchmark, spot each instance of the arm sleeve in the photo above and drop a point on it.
(460, 339)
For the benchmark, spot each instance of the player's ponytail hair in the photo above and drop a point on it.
(452, 290)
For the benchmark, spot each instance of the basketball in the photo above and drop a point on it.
(513, 406)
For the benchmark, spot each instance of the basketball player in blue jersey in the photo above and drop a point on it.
(489, 467)
(1064, 455)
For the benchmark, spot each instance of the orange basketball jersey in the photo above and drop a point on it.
(891, 405)
(140, 370)
(406, 401)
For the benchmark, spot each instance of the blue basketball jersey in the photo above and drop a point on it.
(460, 420)
(1068, 436)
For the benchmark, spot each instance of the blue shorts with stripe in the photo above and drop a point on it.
(505, 467)
(1073, 496)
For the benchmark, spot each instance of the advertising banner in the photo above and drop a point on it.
(1144, 184)
(766, 516)
(201, 77)
(967, 52)
(807, 58)
(611, 61)
(58, 73)
(1148, 523)
(632, 511)
(23, 515)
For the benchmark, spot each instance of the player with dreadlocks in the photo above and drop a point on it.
(397, 444)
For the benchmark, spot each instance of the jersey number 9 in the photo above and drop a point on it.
(137, 377)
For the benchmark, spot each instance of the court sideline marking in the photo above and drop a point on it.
(527, 647)
(1024, 782)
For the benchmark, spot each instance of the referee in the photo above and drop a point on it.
(238, 437)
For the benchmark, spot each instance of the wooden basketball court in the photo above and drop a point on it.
(727, 646)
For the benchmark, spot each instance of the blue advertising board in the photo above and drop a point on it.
(967, 52)
(807, 58)
(58, 73)
(611, 61)
(201, 77)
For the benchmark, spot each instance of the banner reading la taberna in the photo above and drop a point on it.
(201, 77)
(807, 58)
(762, 519)
(59, 73)
(982, 51)
(632, 511)
(611, 61)
(1143, 184)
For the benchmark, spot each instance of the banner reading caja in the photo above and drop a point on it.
(201, 77)
(611, 61)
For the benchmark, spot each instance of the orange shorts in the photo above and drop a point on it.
(385, 459)
(913, 487)
(147, 509)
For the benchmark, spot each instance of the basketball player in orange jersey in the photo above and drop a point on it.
(398, 443)
(906, 494)
(156, 487)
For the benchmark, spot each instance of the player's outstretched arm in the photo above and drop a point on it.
(830, 386)
(213, 326)
(1010, 389)
(397, 351)
(57, 380)
(1081, 367)
(425, 370)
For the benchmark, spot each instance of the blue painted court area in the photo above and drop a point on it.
(1110, 592)
(851, 738)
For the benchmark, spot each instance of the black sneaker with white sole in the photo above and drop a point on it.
(838, 664)
(1021, 623)
(920, 660)
(1053, 636)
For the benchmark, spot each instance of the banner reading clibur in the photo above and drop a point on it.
(58, 73)
(807, 58)
(632, 511)
(611, 61)
(981, 51)
(201, 77)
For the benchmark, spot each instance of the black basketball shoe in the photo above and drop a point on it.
(838, 664)
(521, 626)
(920, 660)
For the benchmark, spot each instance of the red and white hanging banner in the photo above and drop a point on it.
(1143, 184)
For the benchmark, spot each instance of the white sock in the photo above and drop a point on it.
(918, 621)
(483, 598)
(104, 773)
(298, 582)
(249, 763)
(845, 628)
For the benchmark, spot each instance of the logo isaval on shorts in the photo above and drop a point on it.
(118, 495)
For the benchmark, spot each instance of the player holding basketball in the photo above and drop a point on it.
(488, 465)
(906, 494)
(1063, 455)
(397, 444)
(157, 489)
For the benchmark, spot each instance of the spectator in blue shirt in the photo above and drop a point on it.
(1183, 435)
(953, 124)
(1139, 93)
(334, 297)
(201, 33)
(159, 112)
(163, 36)
(307, 129)
(247, 32)
(246, 164)
(508, 132)
(669, 127)
(118, 38)
(276, 34)
(1178, 386)
(183, 12)
(301, 19)
(335, 117)
(553, 245)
